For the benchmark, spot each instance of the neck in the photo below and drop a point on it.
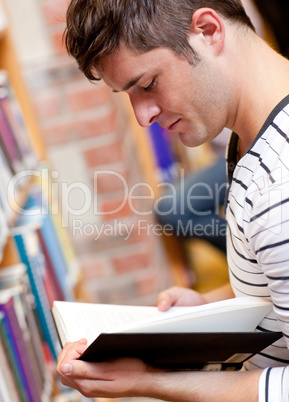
(263, 82)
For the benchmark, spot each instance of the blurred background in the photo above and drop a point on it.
(82, 128)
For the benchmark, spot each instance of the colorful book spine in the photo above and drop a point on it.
(17, 133)
(17, 152)
(31, 255)
(12, 358)
(8, 142)
(61, 232)
(51, 245)
(51, 282)
(8, 375)
(16, 336)
(14, 283)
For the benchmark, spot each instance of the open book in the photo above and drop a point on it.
(182, 337)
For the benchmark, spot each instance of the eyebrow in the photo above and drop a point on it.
(130, 84)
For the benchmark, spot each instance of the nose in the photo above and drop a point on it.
(146, 110)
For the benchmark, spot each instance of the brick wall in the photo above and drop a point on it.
(94, 154)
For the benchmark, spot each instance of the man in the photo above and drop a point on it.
(196, 67)
(208, 185)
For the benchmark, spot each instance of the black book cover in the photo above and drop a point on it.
(181, 350)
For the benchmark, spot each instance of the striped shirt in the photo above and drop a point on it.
(257, 213)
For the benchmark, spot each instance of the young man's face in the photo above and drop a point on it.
(164, 88)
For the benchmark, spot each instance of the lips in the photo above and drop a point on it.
(173, 126)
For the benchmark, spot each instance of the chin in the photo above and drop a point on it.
(190, 140)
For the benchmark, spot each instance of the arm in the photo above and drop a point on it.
(132, 377)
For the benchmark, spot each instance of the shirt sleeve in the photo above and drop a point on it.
(270, 242)
(274, 385)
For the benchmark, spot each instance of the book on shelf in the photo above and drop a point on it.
(20, 346)
(17, 152)
(8, 384)
(31, 256)
(49, 242)
(15, 135)
(11, 358)
(50, 202)
(20, 330)
(8, 142)
(4, 230)
(50, 276)
(5, 176)
(183, 337)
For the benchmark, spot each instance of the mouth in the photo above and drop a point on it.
(173, 127)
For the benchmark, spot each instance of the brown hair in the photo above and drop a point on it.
(95, 28)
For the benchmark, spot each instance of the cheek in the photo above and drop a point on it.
(176, 101)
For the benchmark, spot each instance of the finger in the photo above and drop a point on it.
(70, 352)
(63, 353)
(167, 298)
(107, 370)
(69, 346)
(77, 369)
(83, 341)
(178, 296)
(81, 346)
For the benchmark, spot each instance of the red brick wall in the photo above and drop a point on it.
(74, 113)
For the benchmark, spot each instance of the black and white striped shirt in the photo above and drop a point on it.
(257, 213)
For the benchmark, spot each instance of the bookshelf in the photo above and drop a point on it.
(37, 264)
(10, 63)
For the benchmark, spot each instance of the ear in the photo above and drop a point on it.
(207, 23)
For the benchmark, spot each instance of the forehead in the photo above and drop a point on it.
(124, 64)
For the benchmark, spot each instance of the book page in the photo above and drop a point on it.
(85, 320)
(240, 314)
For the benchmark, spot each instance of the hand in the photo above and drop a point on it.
(178, 296)
(111, 379)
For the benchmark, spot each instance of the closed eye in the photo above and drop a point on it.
(151, 86)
